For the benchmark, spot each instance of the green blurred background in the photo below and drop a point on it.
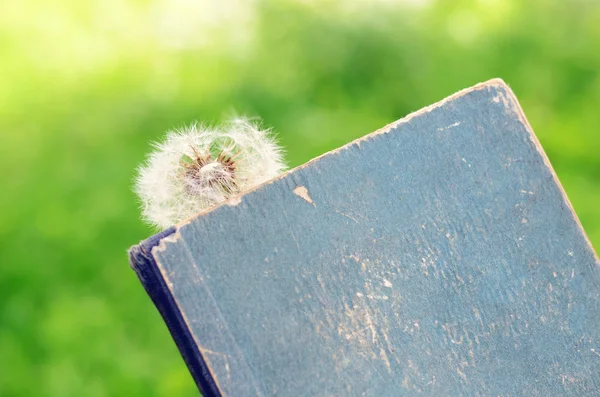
(85, 85)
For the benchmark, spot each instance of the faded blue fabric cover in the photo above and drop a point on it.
(438, 256)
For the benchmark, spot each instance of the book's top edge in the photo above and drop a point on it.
(160, 241)
(142, 252)
(238, 198)
(490, 83)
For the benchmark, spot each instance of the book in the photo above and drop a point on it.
(437, 256)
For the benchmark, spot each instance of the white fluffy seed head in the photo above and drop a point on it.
(198, 167)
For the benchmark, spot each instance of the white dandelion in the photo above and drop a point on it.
(198, 167)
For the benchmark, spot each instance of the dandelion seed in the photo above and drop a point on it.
(198, 167)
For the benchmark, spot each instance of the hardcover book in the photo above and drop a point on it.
(438, 256)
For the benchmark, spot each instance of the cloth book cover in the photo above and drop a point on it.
(438, 256)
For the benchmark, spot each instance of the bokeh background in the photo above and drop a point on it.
(85, 85)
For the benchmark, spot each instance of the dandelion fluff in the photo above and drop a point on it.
(198, 167)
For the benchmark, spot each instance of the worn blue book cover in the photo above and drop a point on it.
(438, 256)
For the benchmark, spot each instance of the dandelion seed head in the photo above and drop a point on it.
(197, 167)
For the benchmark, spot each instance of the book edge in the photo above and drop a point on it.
(511, 101)
(516, 107)
(357, 142)
(143, 262)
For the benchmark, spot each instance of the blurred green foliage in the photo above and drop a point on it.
(84, 86)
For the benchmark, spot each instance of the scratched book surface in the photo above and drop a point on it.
(438, 256)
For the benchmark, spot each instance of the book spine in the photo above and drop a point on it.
(144, 265)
